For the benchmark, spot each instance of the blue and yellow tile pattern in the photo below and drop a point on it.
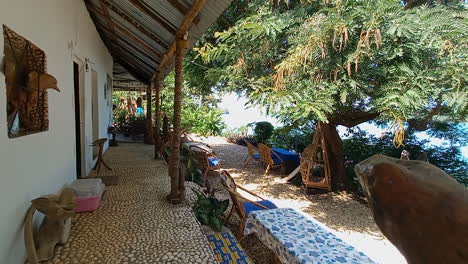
(227, 249)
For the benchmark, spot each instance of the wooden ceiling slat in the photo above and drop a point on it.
(153, 14)
(128, 56)
(131, 69)
(125, 16)
(106, 30)
(183, 9)
(123, 30)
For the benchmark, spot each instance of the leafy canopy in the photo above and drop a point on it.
(324, 60)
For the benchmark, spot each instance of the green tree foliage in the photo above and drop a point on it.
(263, 131)
(316, 61)
(292, 138)
(344, 62)
(200, 114)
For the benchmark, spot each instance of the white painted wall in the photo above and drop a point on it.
(43, 163)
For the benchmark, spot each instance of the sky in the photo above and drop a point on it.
(237, 115)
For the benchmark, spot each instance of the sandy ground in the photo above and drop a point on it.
(352, 221)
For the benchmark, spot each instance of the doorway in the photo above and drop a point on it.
(95, 110)
(76, 86)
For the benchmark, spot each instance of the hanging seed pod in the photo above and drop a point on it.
(378, 37)
(367, 42)
(346, 35)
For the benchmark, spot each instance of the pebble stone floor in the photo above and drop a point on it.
(134, 223)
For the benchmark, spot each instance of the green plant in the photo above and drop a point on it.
(263, 131)
(204, 121)
(291, 138)
(120, 118)
(190, 167)
(209, 209)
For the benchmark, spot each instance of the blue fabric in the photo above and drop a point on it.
(139, 111)
(276, 161)
(249, 207)
(213, 161)
(256, 156)
(286, 155)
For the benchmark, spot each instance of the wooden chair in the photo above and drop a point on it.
(269, 158)
(315, 157)
(252, 157)
(207, 160)
(242, 205)
(100, 144)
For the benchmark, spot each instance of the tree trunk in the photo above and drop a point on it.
(177, 182)
(165, 128)
(157, 122)
(149, 139)
(335, 150)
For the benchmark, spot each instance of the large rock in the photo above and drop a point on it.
(419, 208)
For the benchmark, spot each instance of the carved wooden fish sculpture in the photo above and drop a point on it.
(419, 208)
(41, 81)
(17, 91)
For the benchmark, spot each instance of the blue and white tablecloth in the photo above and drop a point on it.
(298, 240)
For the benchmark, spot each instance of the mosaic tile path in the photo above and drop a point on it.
(134, 223)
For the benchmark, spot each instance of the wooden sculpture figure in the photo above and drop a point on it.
(404, 155)
(55, 228)
(419, 208)
(19, 89)
(41, 82)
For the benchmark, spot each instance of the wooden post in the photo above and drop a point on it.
(177, 182)
(157, 122)
(149, 138)
(165, 128)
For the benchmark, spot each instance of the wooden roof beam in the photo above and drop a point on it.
(134, 59)
(123, 30)
(184, 28)
(110, 25)
(153, 14)
(183, 9)
(129, 62)
(125, 16)
(132, 70)
(128, 55)
(156, 59)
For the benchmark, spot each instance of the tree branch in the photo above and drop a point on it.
(350, 119)
(421, 125)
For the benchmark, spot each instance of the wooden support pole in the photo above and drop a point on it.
(178, 46)
(185, 27)
(177, 180)
(157, 121)
(149, 133)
